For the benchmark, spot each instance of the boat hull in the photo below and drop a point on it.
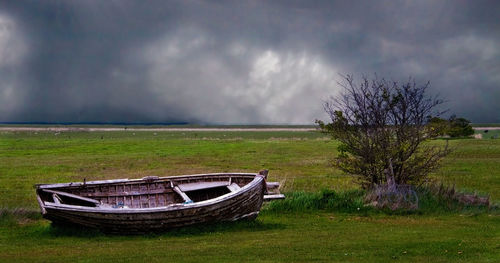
(244, 203)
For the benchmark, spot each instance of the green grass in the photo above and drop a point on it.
(352, 201)
(473, 166)
(303, 237)
(29, 158)
(306, 227)
(489, 134)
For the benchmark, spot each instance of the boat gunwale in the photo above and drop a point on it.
(126, 180)
(172, 207)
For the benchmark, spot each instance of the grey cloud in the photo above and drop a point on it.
(237, 61)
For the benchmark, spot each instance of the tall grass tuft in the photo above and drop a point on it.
(353, 201)
(437, 198)
(345, 201)
(17, 215)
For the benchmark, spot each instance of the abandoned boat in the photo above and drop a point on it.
(156, 203)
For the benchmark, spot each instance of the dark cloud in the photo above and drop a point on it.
(237, 61)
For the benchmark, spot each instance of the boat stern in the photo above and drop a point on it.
(272, 191)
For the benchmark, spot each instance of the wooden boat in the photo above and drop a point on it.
(156, 203)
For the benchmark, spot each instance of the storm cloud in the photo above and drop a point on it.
(237, 62)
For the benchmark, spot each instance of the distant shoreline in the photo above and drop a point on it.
(156, 129)
(486, 128)
(109, 129)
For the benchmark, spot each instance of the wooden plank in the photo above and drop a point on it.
(233, 187)
(127, 193)
(272, 185)
(56, 199)
(201, 185)
(72, 196)
(41, 204)
(273, 197)
(116, 198)
(182, 194)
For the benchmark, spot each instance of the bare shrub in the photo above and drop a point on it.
(377, 122)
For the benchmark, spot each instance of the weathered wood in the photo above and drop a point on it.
(71, 196)
(201, 185)
(264, 173)
(145, 205)
(40, 203)
(233, 187)
(272, 185)
(146, 223)
(182, 194)
(56, 199)
(150, 178)
(273, 197)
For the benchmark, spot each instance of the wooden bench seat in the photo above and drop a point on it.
(202, 185)
(233, 187)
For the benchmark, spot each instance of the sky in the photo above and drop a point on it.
(237, 62)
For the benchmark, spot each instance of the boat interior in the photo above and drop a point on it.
(151, 191)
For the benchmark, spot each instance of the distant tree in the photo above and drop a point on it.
(459, 127)
(381, 127)
(439, 126)
(453, 127)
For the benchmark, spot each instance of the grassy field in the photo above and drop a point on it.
(489, 134)
(298, 159)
